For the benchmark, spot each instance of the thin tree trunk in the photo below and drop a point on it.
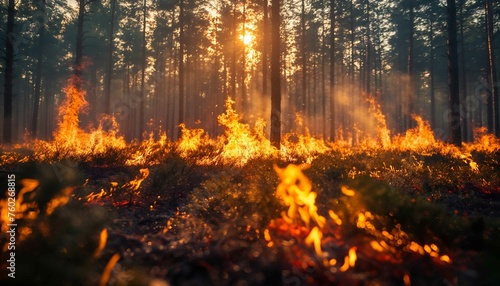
(368, 49)
(454, 91)
(233, 56)
(143, 73)
(275, 76)
(9, 73)
(181, 66)
(465, 123)
(303, 97)
(432, 75)
(107, 87)
(78, 69)
(411, 92)
(39, 69)
(265, 47)
(495, 115)
(332, 72)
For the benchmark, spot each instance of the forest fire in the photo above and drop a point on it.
(339, 236)
(249, 143)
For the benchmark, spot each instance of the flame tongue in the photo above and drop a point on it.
(295, 191)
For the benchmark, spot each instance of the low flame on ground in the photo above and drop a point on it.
(19, 207)
(240, 142)
(295, 190)
(132, 186)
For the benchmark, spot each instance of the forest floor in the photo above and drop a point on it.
(410, 218)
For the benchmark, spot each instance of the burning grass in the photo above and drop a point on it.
(400, 210)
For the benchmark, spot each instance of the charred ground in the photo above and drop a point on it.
(192, 224)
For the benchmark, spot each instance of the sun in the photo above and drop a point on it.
(247, 39)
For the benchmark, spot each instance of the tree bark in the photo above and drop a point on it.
(303, 97)
(143, 73)
(275, 76)
(78, 68)
(410, 64)
(265, 46)
(39, 69)
(431, 69)
(107, 87)
(453, 80)
(465, 123)
(9, 73)
(332, 72)
(181, 66)
(494, 109)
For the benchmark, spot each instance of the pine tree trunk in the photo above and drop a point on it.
(78, 69)
(332, 72)
(181, 66)
(265, 47)
(465, 123)
(39, 69)
(303, 98)
(275, 76)
(494, 110)
(432, 75)
(411, 92)
(9, 74)
(143, 73)
(453, 80)
(107, 87)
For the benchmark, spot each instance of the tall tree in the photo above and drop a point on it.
(453, 80)
(431, 69)
(275, 75)
(493, 109)
(78, 68)
(265, 46)
(39, 67)
(181, 65)
(143, 71)
(303, 55)
(107, 87)
(332, 71)
(411, 36)
(9, 73)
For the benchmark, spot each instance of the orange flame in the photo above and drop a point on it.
(103, 237)
(295, 191)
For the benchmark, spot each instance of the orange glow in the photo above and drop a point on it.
(59, 200)
(247, 39)
(295, 190)
(136, 183)
(107, 270)
(29, 185)
(103, 237)
(314, 238)
(406, 279)
(349, 260)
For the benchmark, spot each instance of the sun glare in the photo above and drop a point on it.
(247, 39)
